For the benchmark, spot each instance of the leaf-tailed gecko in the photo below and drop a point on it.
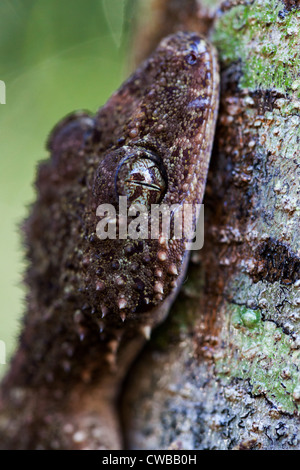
(92, 302)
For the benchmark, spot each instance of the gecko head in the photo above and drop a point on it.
(150, 145)
(160, 157)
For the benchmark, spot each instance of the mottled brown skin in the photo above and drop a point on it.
(92, 301)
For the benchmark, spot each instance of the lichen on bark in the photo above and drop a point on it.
(264, 36)
(223, 372)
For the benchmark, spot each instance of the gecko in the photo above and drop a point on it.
(92, 303)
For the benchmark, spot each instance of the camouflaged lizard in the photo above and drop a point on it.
(92, 302)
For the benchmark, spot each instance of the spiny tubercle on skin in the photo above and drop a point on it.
(163, 115)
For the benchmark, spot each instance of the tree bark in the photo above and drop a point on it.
(223, 371)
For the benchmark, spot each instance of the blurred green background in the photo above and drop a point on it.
(55, 57)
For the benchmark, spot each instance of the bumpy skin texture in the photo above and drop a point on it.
(90, 300)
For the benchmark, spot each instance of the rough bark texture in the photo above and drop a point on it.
(223, 371)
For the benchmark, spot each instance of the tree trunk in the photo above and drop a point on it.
(223, 371)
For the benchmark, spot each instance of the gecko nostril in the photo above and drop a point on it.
(191, 58)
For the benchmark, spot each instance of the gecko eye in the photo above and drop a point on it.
(141, 178)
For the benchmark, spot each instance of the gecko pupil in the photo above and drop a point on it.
(141, 180)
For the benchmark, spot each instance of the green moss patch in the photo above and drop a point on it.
(261, 353)
(265, 38)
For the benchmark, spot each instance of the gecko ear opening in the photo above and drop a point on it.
(141, 177)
